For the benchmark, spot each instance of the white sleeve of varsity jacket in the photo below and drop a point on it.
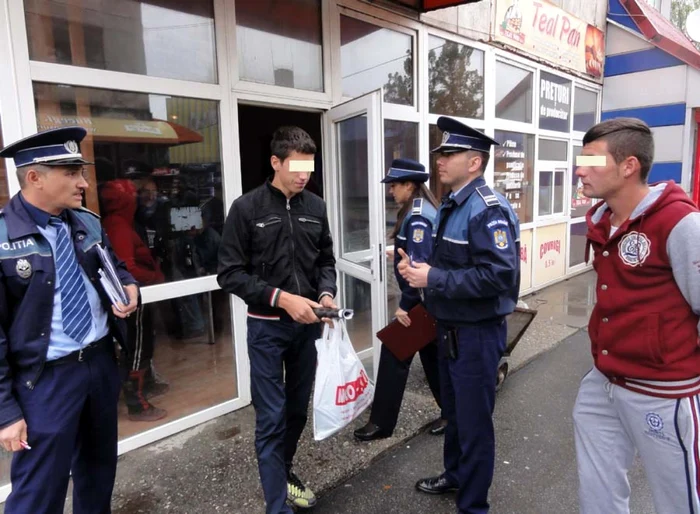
(683, 248)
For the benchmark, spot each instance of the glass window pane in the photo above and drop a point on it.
(555, 102)
(357, 295)
(168, 148)
(559, 191)
(354, 195)
(372, 57)
(545, 193)
(4, 189)
(585, 109)
(551, 150)
(513, 93)
(400, 142)
(577, 244)
(514, 164)
(456, 79)
(280, 43)
(579, 203)
(168, 38)
(191, 344)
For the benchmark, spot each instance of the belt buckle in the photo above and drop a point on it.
(80, 355)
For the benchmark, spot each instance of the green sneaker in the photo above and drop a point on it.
(298, 494)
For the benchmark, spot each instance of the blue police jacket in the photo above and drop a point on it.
(27, 278)
(416, 239)
(475, 274)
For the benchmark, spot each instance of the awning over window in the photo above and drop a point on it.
(431, 5)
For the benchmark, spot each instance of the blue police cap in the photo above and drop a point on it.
(458, 137)
(406, 170)
(55, 147)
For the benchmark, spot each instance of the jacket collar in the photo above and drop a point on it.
(279, 194)
(20, 222)
(467, 190)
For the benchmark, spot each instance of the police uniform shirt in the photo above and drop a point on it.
(416, 238)
(61, 344)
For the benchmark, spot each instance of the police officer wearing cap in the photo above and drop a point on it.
(413, 233)
(471, 284)
(59, 382)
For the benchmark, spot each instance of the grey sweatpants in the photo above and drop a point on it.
(610, 423)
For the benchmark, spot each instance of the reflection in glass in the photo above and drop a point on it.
(545, 198)
(200, 370)
(514, 163)
(4, 188)
(577, 244)
(354, 195)
(400, 142)
(168, 148)
(551, 150)
(513, 93)
(456, 79)
(372, 57)
(585, 108)
(558, 191)
(280, 43)
(168, 38)
(357, 295)
(579, 203)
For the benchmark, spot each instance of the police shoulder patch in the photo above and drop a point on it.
(417, 206)
(500, 238)
(488, 196)
(418, 235)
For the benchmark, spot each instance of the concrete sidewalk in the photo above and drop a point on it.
(212, 468)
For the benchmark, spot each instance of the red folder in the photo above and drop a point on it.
(404, 342)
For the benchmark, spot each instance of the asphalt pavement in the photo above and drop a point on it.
(535, 456)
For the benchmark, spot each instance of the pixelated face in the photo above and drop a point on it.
(599, 174)
(292, 175)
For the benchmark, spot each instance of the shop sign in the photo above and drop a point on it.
(555, 102)
(550, 254)
(546, 31)
(510, 162)
(525, 260)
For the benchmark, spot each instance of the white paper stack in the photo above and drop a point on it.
(110, 280)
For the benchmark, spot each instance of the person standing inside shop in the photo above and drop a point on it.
(414, 234)
(641, 397)
(277, 255)
(118, 199)
(59, 382)
(471, 284)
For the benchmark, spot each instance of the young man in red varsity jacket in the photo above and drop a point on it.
(642, 393)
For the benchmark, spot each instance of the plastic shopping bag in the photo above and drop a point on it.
(342, 390)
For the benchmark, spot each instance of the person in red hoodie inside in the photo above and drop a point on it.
(118, 199)
(642, 393)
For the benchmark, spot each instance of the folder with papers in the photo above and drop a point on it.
(404, 342)
(110, 280)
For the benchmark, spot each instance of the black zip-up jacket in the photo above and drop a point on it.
(271, 244)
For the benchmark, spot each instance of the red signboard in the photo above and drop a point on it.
(431, 5)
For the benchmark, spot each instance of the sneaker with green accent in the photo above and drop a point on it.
(298, 494)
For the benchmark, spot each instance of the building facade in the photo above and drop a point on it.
(182, 97)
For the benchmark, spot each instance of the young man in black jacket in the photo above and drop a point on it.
(277, 255)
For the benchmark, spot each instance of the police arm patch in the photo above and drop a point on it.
(418, 235)
(500, 238)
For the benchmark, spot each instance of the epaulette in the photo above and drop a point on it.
(83, 209)
(488, 196)
(417, 206)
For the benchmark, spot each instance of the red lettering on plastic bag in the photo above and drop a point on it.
(351, 391)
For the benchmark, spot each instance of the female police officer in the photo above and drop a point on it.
(412, 233)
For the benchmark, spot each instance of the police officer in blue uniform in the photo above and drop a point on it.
(471, 284)
(414, 234)
(59, 381)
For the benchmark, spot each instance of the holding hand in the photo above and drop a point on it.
(132, 291)
(328, 303)
(14, 436)
(299, 308)
(416, 274)
(402, 317)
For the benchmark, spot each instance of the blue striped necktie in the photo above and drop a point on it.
(75, 307)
